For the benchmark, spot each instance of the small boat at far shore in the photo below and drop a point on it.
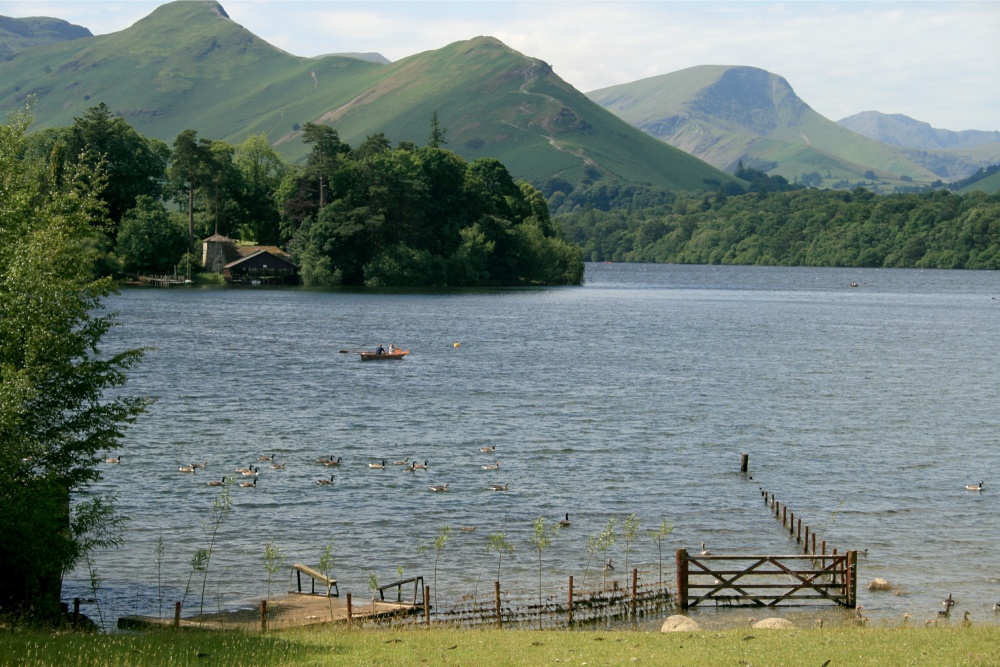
(384, 356)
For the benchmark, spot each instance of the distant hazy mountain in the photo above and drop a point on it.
(368, 57)
(900, 130)
(19, 34)
(724, 114)
(187, 65)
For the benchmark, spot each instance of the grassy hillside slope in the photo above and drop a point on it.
(187, 65)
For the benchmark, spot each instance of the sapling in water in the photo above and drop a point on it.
(541, 538)
(658, 536)
(273, 561)
(326, 567)
(440, 542)
(630, 530)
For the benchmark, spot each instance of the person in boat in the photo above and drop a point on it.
(380, 350)
(392, 348)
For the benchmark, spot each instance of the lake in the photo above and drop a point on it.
(866, 410)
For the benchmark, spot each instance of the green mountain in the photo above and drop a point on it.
(187, 65)
(725, 114)
(20, 34)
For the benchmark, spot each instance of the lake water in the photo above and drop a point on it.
(866, 410)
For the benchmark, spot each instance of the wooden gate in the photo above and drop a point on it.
(766, 581)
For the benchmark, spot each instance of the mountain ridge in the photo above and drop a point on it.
(186, 65)
(725, 114)
(901, 130)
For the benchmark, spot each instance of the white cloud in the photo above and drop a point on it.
(937, 61)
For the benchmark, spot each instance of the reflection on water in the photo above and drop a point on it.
(866, 410)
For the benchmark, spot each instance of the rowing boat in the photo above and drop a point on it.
(385, 356)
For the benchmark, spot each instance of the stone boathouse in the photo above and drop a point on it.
(248, 264)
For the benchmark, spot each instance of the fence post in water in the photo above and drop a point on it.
(569, 603)
(635, 585)
(798, 535)
(814, 544)
(852, 579)
(744, 462)
(263, 615)
(682, 578)
(350, 610)
(177, 614)
(427, 605)
(784, 516)
(496, 596)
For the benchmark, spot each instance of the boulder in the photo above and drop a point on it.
(679, 623)
(879, 585)
(773, 623)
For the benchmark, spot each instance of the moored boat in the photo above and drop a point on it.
(375, 356)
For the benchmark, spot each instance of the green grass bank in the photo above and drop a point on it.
(832, 647)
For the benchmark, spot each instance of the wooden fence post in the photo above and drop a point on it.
(263, 615)
(350, 610)
(427, 605)
(682, 578)
(744, 462)
(76, 612)
(177, 614)
(635, 586)
(852, 579)
(569, 602)
(496, 595)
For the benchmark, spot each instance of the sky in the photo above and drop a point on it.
(935, 61)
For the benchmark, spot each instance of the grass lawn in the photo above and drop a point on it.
(833, 647)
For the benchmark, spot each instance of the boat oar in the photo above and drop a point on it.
(350, 351)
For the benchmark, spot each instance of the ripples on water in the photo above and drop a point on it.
(865, 410)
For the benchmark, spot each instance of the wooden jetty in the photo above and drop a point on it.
(303, 605)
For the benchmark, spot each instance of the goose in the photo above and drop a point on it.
(331, 462)
(323, 460)
(467, 529)
(487, 450)
(440, 487)
(325, 482)
(215, 482)
(401, 463)
(966, 622)
(186, 469)
(377, 465)
(251, 473)
(409, 468)
(499, 487)
(115, 459)
(420, 466)
(244, 470)
(277, 466)
(609, 566)
(199, 465)
(973, 487)
(704, 551)
(996, 607)
(565, 522)
(491, 466)
(266, 458)
(247, 485)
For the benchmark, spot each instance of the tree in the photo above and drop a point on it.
(188, 172)
(149, 239)
(61, 403)
(261, 172)
(133, 164)
(440, 542)
(437, 132)
(658, 536)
